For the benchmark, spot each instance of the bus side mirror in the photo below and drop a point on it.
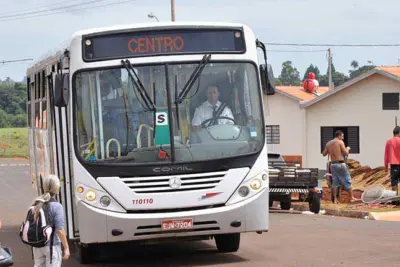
(267, 79)
(61, 90)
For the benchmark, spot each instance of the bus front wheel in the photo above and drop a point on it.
(227, 242)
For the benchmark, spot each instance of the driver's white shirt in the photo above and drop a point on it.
(205, 112)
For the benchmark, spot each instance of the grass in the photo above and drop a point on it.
(13, 142)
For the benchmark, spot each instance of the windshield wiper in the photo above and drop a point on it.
(196, 73)
(139, 85)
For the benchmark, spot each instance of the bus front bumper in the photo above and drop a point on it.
(101, 226)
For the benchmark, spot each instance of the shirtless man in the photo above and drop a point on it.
(340, 173)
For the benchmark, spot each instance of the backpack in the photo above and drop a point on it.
(38, 233)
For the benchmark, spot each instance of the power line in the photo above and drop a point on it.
(16, 60)
(340, 45)
(40, 7)
(50, 9)
(70, 10)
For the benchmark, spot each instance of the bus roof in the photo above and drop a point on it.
(59, 50)
(158, 25)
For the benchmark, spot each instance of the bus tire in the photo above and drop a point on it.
(84, 254)
(228, 242)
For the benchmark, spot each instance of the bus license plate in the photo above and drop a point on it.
(168, 225)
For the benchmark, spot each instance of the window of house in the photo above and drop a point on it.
(272, 134)
(390, 101)
(351, 137)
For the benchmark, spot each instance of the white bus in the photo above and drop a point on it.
(123, 116)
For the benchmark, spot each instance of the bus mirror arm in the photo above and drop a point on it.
(267, 75)
(61, 90)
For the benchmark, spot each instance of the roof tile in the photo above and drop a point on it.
(394, 70)
(299, 92)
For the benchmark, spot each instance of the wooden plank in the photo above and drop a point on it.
(294, 158)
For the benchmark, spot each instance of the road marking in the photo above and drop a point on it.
(13, 165)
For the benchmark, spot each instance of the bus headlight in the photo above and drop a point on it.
(249, 187)
(243, 191)
(105, 201)
(90, 195)
(255, 184)
(97, 198)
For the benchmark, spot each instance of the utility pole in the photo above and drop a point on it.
(330, 69)
(172, 10)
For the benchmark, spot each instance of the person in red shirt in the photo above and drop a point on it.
(392, 157)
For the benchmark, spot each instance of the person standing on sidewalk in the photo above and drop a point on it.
(339, 170)
(392, 158)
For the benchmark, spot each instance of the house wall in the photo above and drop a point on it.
(358, 105)
(285, 112)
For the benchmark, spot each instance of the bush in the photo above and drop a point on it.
(13, 97)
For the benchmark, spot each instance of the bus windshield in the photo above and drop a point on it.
(149, 114)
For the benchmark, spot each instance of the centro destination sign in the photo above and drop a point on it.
(168, 42)
(156, 44)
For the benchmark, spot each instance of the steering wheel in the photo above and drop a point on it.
(219, 117)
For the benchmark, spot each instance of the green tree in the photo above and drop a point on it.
(357, 70)
(18, 120)
(289, 74)
(354, 64)
(338, 78)
(13, 96)
(3, 119)
(313, 69)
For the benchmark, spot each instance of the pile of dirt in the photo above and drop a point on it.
(362, 178)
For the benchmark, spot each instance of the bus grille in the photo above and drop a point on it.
(177, 183)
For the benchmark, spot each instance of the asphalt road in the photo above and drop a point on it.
(293, 240)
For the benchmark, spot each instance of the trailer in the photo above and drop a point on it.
(288, 182)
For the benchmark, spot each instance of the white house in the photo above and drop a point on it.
(285, 120)
(364, 108)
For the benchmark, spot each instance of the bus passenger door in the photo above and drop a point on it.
(62, 147)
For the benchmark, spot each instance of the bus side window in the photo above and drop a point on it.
(29, 103)
(37, 101)
(43, 111)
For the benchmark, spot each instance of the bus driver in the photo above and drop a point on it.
(210, 108)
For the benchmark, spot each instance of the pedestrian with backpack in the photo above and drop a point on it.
(43, 228)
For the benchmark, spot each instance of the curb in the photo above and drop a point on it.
(272, 210)
(335, 212)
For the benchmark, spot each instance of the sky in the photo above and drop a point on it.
(273, 21)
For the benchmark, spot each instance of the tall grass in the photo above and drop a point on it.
(14, 142)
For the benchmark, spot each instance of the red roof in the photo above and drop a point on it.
(394, 70)
(299, 93)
